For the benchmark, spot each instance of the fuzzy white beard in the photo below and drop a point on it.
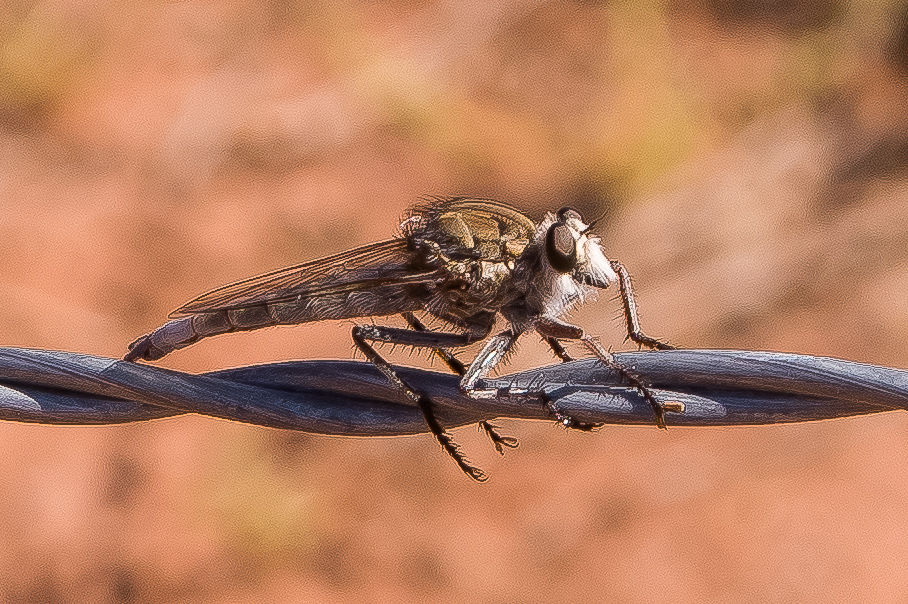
(595, 263)
(556, 293)
(559, 293)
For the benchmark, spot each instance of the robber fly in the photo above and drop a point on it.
(459, 260)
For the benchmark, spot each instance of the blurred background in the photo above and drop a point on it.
(751, 157)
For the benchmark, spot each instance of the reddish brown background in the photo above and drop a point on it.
(752, 157)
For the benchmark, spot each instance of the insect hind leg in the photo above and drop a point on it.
(362, 334)
(454, 364)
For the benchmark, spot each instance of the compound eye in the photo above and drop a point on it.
(561, 248)
(568, 212)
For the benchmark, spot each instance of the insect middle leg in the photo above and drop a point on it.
(496, 349)
(458, 367)
(363, 334)
(558, 349)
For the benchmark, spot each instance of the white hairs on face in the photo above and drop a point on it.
(597, 265)
(556, 293)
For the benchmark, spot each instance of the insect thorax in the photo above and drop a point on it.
(477, 245)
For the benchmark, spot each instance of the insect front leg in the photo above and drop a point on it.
(458, 367)
(634, 333)
(363, 334)
(553, 328)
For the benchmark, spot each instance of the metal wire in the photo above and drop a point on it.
(715, 387)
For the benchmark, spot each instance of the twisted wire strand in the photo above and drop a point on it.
(715, 387)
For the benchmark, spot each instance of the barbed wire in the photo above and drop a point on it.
(715, 388)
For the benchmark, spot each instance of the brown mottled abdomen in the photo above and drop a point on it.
(185, 331)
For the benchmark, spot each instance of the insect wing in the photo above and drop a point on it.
(387, 262)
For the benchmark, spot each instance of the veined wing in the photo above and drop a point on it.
(386, 262)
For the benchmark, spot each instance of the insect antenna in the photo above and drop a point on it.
(594, 223)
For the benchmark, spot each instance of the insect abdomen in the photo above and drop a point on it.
(185, 331)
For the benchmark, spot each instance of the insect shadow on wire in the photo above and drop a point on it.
(463, 261)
